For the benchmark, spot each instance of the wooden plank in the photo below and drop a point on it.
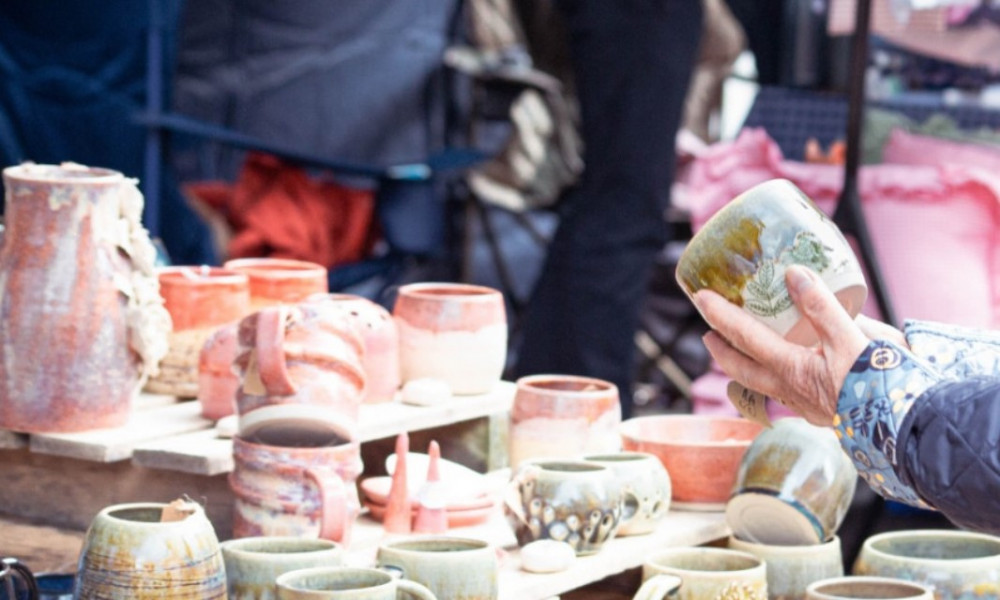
(12, 440)
(200, 453)
(110, 445)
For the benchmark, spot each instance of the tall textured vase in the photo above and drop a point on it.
(82, 324)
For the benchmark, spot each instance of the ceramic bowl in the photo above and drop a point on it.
(743, 250)
(867, 588)
(958, 565)
(709, 573)
(791, 569)
(646, 485)
(793, 487)
(701, 454)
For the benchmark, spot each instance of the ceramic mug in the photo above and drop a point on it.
(17, 581)
(791, 569)
(867, 588)
(253, 564)
(450, 567)
(710, 573)
(570, 501)
(793, 487)
(959, 565)
(347, 583)
(646, 486)
(743, 250)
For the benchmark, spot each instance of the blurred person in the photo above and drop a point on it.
(722, 41)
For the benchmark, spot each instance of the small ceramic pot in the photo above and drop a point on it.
(280, 280)
(217, 382)
(791, 569)
(710, 573)
(452, 332)
(450, 567)
(563, 415)
(867, 588)
(794, 486)
(646, 486)
(129, 554)
(253, 564)
(958, 565)
(381, 340)
(701, 453)
(306, 492)
(347, 583)
(743, 250)
(570, 501)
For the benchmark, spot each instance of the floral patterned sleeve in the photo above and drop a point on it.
(956, 352)
(876, 396)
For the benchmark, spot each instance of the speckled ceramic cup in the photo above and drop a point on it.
(253, 564)
(791, 569)
(347, 583)
(710, 573)
(743, 250)
(450, 567)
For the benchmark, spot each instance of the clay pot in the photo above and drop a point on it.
(453, 332)
(82, 319)
(306, 492)
(280, 280)
(129, 554)
(199, 300)
(217, 382)
(381, 341)
(563, 415)
(956, 564)
(701, 454)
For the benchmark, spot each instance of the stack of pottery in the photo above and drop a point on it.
(793, 489)
(82, 323)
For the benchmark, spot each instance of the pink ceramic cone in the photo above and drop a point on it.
(432, 512)
(398, 511)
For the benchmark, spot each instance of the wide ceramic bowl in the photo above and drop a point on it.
(701, 454)
(793, 487)
(743, 250)
(959, 565)
(867, 588)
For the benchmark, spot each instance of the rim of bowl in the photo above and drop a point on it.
(847, 579)
(275, 267)
(441, 290)
(652, 559)
(252, 546)
(785, 550)
(619, 457)
(530, 382)
(203, 273)
(629, 424)
(869, 544)
(449, 543)
(47, 172)
(109, 513)
(292, 579)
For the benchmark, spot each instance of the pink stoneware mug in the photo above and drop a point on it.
(453, 332)
(280, 280)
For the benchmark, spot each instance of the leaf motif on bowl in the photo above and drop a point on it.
(765, 293)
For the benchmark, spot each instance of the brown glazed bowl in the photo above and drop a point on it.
(701, 454)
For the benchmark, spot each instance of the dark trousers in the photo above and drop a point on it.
(632, 63)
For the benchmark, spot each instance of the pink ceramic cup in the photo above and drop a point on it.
(280, 280)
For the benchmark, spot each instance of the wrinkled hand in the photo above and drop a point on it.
(806, 380)
(877, 330)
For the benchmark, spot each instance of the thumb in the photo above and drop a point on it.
(817, 303)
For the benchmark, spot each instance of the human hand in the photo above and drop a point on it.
(877, 330)
(806, 380)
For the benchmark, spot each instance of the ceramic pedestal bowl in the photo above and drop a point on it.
(701, 454)
(959, 565)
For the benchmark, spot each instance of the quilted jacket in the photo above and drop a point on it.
(922, 424)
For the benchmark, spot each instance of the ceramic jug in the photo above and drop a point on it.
(82, 318)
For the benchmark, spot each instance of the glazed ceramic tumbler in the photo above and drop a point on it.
(958, 565)
(253, 564)
(791, 569)
(563, 415)
(450, 567)
(794, 486)
(130, 554)
(743, 250)
(709, 573)
(867, 588)
(453, 332)
(646, 486)
(348, 583)
(570, 501)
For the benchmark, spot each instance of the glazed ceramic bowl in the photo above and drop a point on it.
(867, 588)
(646, 485)
(253, 563)
(791, 569)
(709, 573)
(793, 487)
(743, 250)
(958, 565)
(701, 454)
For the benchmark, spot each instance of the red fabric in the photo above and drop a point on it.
(278, 210)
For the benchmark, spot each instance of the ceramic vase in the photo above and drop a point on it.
(452, 332)
(129, 554)
(563, 415)
(381, 341)
(82, 320)
(305, 492)
(280, 280)
(199, 300)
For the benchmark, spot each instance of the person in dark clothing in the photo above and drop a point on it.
(632, 62)
(918, 411)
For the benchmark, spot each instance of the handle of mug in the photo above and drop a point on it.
(414, 589)
(658, 587)
(334, 509)
(270, 346)
(13, 565)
